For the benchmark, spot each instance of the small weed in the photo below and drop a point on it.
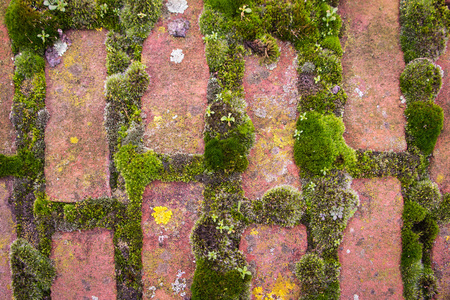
(244, 271)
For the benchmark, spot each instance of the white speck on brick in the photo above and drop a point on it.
(177, 6)
(359, 92)
(355, 297)
(348, 251)
(177, 56)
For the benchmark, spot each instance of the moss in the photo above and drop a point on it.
(425, 122)
(324, 102)
(181, 167)
(228, 7)
(319, 144)
(117, 62)
(25, 20)
(28, 64)
(215, 51)
(281, 206)
(426, 193)
(442, 213)
(424, 28)
(329, 22)
(227, 154)
(332, 43)
(331, 204)
(421, 80)
(212, 21)
(231, 72)
(210, 283)
(318, 277)
(138, 17)
(32, 273)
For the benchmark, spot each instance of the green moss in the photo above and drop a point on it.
(319, 279)
(332, 43)
(426, 193)
(210, 283)
(28, 64)
(424, 28)
(228, 7)
(421, 80)
(425, 122)
(32, 273)
(212, 21)
(25, 20)
(215, 50)
(138, 169)
(324, 102)
(139, 16)
(442, 213)
(117, 62)
(319, 144)
(227, 154)
(281, 206)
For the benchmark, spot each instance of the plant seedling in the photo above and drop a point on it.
(244, 271)
(43, 36)
(244, 9)
(228, 119)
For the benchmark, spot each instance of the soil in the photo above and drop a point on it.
(272, 98)
(175, 101)
(84, 263)
(372, 64)
(76, 154)
(7, 132)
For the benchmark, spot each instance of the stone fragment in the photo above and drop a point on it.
(178, 27)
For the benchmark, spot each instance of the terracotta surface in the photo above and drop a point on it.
(272, 105)
(76, 154)
(166, 254)
(84, 262)
(371, 248)
(7, 236)
(175, 101)
(272, 253)
(7, 133)
(439, 170)
(440, 258)
(372, 64)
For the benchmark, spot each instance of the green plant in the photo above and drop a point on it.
(424, 26)
(32, 273)
(321, 143)
(212, 255)
(56, 4)
(228, 119)
(228, 154)
(425, 122)
(421, 80)
(244, 10)
(244, 271)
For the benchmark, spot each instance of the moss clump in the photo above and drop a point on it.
(139, 16)
(421, 80)
(319, 144)
(26, 20)
(227, 154)
(324, 102)
(332, 43)
(281, 206)
(425, 122)
(424, 28)
(32, 273)
(215, 50)
(210, 283)
(28, 63)
(318, 277)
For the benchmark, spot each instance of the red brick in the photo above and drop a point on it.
(371, 248)
(84, 264)
(166, 247)
(7, 236)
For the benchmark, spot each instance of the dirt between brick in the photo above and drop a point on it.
(372, 64)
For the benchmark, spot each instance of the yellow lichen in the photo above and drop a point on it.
(258, 293)
(440, 178)
(162, 215)
(74, 140)
(282, 288)
(254, 232)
